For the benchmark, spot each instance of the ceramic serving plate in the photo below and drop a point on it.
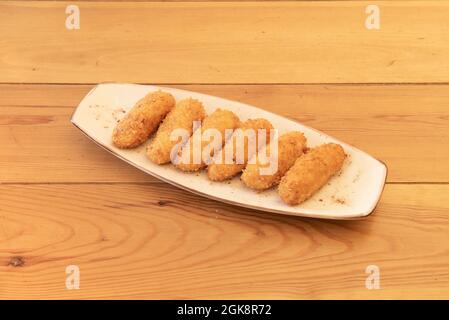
(352, 194)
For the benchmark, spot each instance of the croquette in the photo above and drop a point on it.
(311, 172)
(248, 135)
(182, 116)
(220, 122)
(142, 120)
(290, 146)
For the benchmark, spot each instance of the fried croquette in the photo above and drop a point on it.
(142, 120)
(219, 122)
(310, 172)
(181, 117)
(290, 147)
(248, 135)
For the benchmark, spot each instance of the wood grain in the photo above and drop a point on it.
(407, 126)
(157, 241)
(188, 42)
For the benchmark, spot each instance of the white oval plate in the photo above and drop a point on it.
(352, 194)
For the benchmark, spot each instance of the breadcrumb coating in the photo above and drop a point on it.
(220, 120)
(220, 170)
(142, 120)
(311, 172)
(290, 147)
(181, 117)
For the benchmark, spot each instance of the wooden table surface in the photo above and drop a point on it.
(64, 201)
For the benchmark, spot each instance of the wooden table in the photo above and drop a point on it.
(64, 201)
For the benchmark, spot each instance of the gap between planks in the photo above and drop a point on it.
(233, 84)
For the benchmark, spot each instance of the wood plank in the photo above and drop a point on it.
(404, 125)
(157, 241)
(254, 42)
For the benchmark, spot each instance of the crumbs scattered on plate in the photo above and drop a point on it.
(338, 200)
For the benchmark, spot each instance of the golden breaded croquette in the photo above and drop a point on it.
(310, 172)
(290, 147)
(219, 170)
(220, 121)
(181, 117)
(142, 120)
